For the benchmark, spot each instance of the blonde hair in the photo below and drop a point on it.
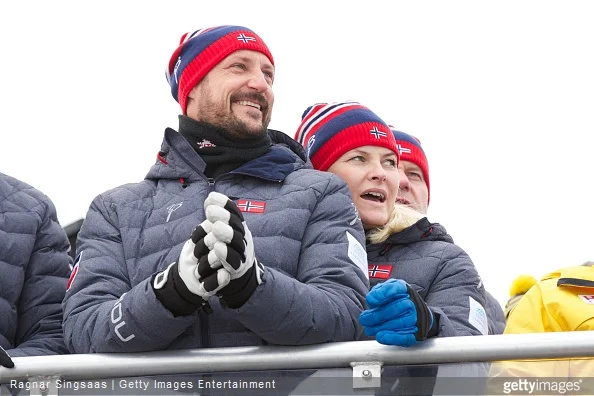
(401, 218)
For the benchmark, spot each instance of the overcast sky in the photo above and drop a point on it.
(501, 94)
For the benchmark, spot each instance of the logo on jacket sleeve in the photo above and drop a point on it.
(74, 271)
(249, 206)
(380, 271)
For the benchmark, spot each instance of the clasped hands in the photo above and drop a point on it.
(219, 257)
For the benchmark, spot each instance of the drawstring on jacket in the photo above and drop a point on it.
(160, 157)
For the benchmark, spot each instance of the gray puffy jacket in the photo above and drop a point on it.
(425, 256)
(496, 315)
(314, 259)
(34, 270)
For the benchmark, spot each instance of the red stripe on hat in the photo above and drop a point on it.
(314, 110)
(327, 117)
(417, 157)
(354, 136)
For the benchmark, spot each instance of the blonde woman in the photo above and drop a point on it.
(423, 285)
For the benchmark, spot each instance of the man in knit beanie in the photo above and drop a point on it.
(414, 172)
(414, 191)
(232, 239)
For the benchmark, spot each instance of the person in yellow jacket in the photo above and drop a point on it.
(520, 285)
(562, 301)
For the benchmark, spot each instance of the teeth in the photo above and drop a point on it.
(247, 103)
(376, 194)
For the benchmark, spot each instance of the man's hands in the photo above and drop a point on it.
(5, 360)
(230, 248)
(218, 259)
(200, 269)
(397, 315)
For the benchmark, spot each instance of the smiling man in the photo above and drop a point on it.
(232, 239)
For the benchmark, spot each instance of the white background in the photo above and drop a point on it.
(501, 94)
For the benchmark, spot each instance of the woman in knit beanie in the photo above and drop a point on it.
(423, 285)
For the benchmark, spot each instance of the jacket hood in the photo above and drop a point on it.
(422, 230)
(584, 273)
(279, 137)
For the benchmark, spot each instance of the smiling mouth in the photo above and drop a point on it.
(374, 196)
(249, 103)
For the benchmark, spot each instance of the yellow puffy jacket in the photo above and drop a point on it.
(562, 301)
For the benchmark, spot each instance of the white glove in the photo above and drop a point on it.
(233, 247)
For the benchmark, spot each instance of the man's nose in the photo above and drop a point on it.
(404, 182)
(258, 81)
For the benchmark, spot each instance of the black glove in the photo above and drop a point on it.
(5, 360)
(231, 244)
(183, 288)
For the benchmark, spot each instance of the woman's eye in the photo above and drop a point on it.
(357, 158)
(391, 163)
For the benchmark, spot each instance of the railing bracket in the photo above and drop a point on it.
(367, 375)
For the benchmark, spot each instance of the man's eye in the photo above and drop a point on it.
(357, 158)
(239, 66)
(415, 175)
(269, 77)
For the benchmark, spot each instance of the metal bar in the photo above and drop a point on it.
(339, 354)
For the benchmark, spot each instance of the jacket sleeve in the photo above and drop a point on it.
(102, 311)
(457, 296)
(39, 329)
(323, 302)
(495, 314)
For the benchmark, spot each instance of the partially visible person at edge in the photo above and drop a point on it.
(35, 265)
(562, 300)
(230, 240)
(414, 191)
(520, 285)
(423, 285)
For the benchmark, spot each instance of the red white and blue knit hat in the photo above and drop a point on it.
(409, 148)
(328, 130)
(199, 51)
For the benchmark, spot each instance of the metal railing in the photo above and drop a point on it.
(339, 354)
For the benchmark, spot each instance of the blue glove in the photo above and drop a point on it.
(397, 315)
(5, 360)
